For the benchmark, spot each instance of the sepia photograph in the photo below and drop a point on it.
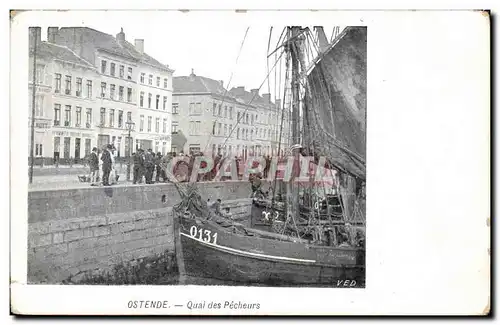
(173, 164)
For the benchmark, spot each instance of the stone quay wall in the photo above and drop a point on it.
(73, 232)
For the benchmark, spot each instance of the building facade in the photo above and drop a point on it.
(214, 120)
(90, 95)
(65, 102)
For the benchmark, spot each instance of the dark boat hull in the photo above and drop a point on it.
(219, 253)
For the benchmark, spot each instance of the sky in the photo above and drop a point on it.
(207, 43)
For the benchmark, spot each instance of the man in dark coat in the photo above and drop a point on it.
(106, 165)
(159, 171)
(138, 166)
(94, 166)
(149, 165)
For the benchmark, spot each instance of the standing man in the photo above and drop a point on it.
(137, 165)
(94, 166)
(159, 171)
(106, 165)
(149, 165)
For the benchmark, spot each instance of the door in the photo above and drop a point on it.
(77, 148)
(67, 144)
(87, 147)
(57, 147)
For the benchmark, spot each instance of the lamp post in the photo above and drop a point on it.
(130, 127)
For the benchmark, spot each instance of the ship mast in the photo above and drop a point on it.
(294, 47)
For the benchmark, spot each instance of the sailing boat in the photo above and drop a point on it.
(296, 250)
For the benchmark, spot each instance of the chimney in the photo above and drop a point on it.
(120, 37)
(239, 91)
(278, 103)
(255, 92)
(139, 45)
(35, 36)
(192, 75)
(267, 97)
(221, 83)
(52, 34)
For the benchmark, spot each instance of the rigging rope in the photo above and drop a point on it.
(226, 90)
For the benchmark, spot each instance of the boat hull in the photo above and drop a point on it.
(219, 253)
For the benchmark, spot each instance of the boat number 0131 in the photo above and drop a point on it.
(203, 234)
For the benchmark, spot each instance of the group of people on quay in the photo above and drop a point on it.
(147, 166)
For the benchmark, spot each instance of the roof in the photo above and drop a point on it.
(110, 44)
(248, 97)
(197, 84)
(60, 52)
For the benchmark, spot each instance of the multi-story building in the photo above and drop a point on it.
(120, 66)
(213, 119)
(206, 115)
(265, 124)
(155, 103)
(65, 101)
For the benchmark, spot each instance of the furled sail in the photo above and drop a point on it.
(335, 103)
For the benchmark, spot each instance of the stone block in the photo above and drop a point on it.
(76, 234)
(51, 250)
(58, 237)
(123, 227)
(36, 240)
(100, 231)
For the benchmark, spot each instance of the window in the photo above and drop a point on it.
(252, 119)
(165, 83)
(219, 129)
(164, 125)
(142, 77)
(175, 108)
(192, 128)
(157, 101)
(175, 125)
(157, 125)
(213, 127)
(68, 85)
(38, 150)
(102, 120)
(120, 119)
(103, 66)
(237, 133)
(158, 81)
(251, 134)
(214, 110)
(120, 93)
(129, 95)
(141, 125)
(89, 88)
(67, 115)
(220, 110)
(58, 83)
(246, 118)
(57, 114)
(89, 118)
(112, 72)
(225, 111)
(129, 116)
(225, 129)
(79, 87)
(122, 71)
(78, 116)
(103, 89)
(150, 120)
(238, 116)
(129, 75)
(230, 129)
(40, 74)
(194, 108)
(231, 113)
(111, 118)
(150, 81)
(141, 101)
(164, 102)
(112, 91)
(149, 100)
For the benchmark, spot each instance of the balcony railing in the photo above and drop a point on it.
(67, 123)
(67, 91)
(56, 122)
